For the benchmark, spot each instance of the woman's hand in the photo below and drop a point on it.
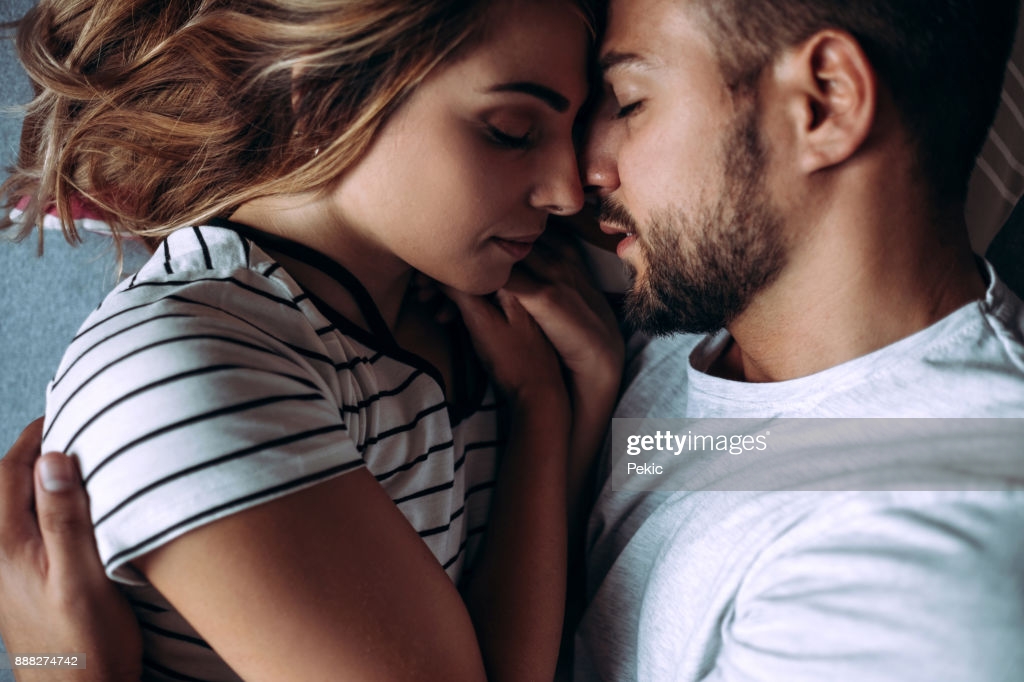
(554, 286)
(54, 595)
(512, 347)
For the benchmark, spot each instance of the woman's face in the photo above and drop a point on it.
(460, 181)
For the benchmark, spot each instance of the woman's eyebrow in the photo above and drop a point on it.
(553, 99)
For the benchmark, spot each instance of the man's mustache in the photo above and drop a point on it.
(613, 213)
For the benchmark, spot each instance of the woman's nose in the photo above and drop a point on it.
(561, 189)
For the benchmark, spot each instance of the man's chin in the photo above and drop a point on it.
(656, 315)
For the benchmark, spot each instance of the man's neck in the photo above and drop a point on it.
(849, 290)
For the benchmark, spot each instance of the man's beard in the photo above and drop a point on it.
(703, 270)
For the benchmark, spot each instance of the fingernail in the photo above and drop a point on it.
(56, 473)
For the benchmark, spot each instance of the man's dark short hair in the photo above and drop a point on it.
(943, 61)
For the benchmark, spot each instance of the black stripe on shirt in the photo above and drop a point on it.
(212, 414)
(405, 427)
(167, 259)
(206, 250)
(413, 462)
(251, 497)
(167, 672)
(479, 445)
(462, 548)
(170, 634)
(475, 446)
(229, 280)
(311, 354)
(206, 464)
(224, 280)
(163, 342)
(173, 379)
(246, 247)
(350, 364)
(426, 491)
(108, 319)
(146, 606)
(479, 487)
(123, 330)
(442, 529)
(366, 402)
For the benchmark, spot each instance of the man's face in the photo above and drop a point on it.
(679, 164)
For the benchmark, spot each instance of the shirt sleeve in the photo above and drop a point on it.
(185, 407)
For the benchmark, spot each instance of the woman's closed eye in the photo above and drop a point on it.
(509, 140)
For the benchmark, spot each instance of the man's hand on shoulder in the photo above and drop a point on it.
(55, 598)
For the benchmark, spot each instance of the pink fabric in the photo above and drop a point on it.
(80, 209)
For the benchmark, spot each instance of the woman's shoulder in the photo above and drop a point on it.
(209, 255)
(206, 296)
(209, 275)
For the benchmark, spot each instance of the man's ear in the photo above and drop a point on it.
(832, 94)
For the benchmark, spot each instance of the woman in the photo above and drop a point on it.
(291, 468)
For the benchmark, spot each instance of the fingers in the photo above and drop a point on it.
(484, 318)
(562, 265)
(551, 306)
(17, 517)
(26, 448)
(62, 507)
(581, 328)
(512, 307)
(553, 279)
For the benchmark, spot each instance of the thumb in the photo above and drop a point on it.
(62, 506)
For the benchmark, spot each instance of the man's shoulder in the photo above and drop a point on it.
(978, 356)
(1004, 311)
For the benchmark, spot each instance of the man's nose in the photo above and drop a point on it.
(600, 149)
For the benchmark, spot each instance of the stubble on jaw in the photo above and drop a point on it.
(702, 270)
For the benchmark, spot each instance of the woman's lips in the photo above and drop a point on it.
(518, 249)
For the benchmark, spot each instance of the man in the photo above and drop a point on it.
(793, 172)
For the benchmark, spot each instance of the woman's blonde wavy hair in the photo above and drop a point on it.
(164, 113)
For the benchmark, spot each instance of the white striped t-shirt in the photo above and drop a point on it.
(211, 382)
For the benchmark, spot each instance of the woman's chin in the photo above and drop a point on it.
(481, 284)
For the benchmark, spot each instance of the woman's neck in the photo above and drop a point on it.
(307, 221)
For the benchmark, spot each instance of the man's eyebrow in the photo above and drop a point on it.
(553, 99)
(614, 60)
